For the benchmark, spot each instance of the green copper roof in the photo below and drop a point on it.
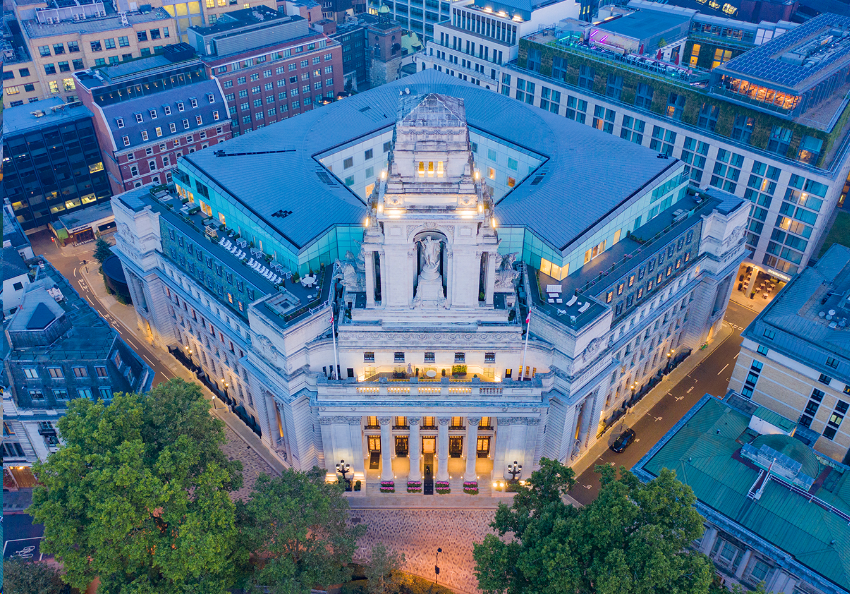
(703, 451)
(775, 419)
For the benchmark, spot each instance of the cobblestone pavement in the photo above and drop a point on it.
(418, 532)
(252, 464)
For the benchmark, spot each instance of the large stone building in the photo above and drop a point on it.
(795, 358)
(767, 122)
(427, 229)
(775, 511)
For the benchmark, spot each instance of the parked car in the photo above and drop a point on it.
(626, 439)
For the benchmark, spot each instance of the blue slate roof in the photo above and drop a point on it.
(133, 130)
(793, 317)
(587, 175)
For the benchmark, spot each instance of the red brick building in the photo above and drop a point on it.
(270, 66)
(150, 112)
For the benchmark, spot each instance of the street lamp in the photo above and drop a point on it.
(669, 359)
(514, 469)
(213, 402)
(437, 567)
(343, 469)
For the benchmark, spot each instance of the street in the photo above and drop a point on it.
(710, 377)
(23, 537)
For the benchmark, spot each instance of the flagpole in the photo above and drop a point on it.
(333, 334)
(524, 350)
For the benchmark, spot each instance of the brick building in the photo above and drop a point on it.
(150, 112)
(270, 66)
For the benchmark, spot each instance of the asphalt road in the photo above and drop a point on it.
(21, 538)
(709, 377)
(68, 262)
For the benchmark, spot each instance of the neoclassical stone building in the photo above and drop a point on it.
(480, 283)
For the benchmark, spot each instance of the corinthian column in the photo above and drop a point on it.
(443, 448)
(415, 449)
(471, 447)
(386, 452)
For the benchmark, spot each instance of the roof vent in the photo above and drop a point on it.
(821, 314)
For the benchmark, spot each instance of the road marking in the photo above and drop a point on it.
(690, 390)
(678, 398)
(724, 367)
(588, 487)
(147, 359)
(75, 272)
(736, 356)
(658, 419)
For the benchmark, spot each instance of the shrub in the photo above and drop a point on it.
(414, 486)
(442, 487)
(356, 485)
(470, 487)
(387, 486)
(458, 369)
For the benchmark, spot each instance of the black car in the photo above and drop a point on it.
(625, 440)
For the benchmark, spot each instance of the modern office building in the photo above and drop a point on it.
(62, 38)
(405, 224)
(52, 162)
(795, 358)
(269, 65)
(150, 112)
(768, 125)
(776, 512)
(59, 349)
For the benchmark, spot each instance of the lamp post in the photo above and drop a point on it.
(213, 402)
(514, 469)
(437, 567)
(669, 359)
(343, 469)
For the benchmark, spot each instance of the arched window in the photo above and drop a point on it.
(430, 169)
(421, 168)
(440, 170)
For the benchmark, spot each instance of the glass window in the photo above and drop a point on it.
(675, 106)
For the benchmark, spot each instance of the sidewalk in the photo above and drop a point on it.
(654, 396)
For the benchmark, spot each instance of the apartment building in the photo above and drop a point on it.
(795, 358)
(61, 40)
(270, 66)
(150, 112)
(767, 125)
(52, 162)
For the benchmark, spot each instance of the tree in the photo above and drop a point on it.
(633, 539)
(23, 577)
(102, 250)
(139, 495)
(382, 571)
(296, 526)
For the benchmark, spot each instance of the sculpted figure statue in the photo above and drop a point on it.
(431, 253)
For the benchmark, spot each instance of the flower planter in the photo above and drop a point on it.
(387, 487)
(470, 487)
(442, 487)
(414, 486)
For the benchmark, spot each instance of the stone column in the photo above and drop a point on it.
(370, 279)
(328, 446)
(386, 451)
(742, 565)
(449, 272)
(415, 449)
(471, 447)
(790, 585)
(355, 428)
(490, 278)
(443, 448)
(708, 541)
(383, 263)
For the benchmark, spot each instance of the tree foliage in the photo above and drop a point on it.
(633, 539)
(383, 570)
(296, 527)
(139, 495)
(26, 577)
(102, 250)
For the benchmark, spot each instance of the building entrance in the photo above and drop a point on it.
(483, 447)
(429, 445)
(455, 447)
(401, 446)
(428, 475)
(374, 452)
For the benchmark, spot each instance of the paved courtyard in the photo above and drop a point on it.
(418, 532)
(252, 464)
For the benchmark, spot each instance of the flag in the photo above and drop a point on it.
(528, 317)
(332, 317)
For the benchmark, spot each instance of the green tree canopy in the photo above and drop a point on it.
(23, 577)
(632, 539)
(139, 495)
(383, 570)
(296, 527)
(102, 250)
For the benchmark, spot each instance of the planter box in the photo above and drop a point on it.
(470, 487)
(442, 487)
(387, 486)
(414, 486)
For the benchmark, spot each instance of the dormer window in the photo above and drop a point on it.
(153, 113)
(167, 109)
(193, 101)
(139, 118)
(180, 106)
(211, 98)
(120, 122)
